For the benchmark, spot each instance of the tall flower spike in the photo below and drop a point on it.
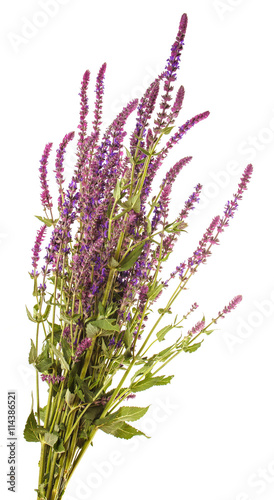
(171, 69)
(84, 108)
(37, 248)
(99, 99)
(232, 305)
(46, 198)
(59, 168)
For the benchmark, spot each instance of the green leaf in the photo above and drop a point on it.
(162, 333)
(47, 222)
(193, 347)
(66, 349)
(136, 203)
(30, 316)
(128, 337)
(69, 397)
(32, 353)
(208, 332)
(121, 430)
(104, 324)
(91, 330)
(68, 319)
(125, 413)
(131, 258)
(59, 446)
(43, 362)
(147, 153)
(154, 291)
(88, 395)
(50, 438)
(117, 190)
(59, 356)
(129, 156)
(32, 430)
(150, 382)
(167, 130)
(46, 313)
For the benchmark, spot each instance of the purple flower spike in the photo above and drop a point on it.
(83, 346)
(84, 108)
(197, 328)
(45, 195)
(52, 379)
(59, 168)
(202, 252)
(232, 305)
(170, 75)
(99, 99)
(177, 106)
(37, 247)
(232, 205)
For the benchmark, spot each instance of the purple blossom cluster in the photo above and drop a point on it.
(52, 379)
(103, 244)
(37, 249)
(232, 305)
(82, 347)
(195, 330)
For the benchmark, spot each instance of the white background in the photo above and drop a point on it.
(212, 427)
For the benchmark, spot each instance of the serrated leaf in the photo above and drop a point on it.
(91, 330)
(68, 319)
(30, 316)
(131, 258)
(60, 356)
(162, 333)
(105, 324)
(47, 222)
(122, 430)
(32, 429)
(148, 382)
(43, 362)
(125, 413)
(32, 353)
(50, 438)
(128, 337)
(193, 347)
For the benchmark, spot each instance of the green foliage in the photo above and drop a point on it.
(150, 381)
(131, 258)
(32, 353)
(32, 430)
(116, 425)
(47, 222)
(60, 356)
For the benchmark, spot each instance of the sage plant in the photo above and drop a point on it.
(107, 241)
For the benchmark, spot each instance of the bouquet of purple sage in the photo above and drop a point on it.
(108, 240)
